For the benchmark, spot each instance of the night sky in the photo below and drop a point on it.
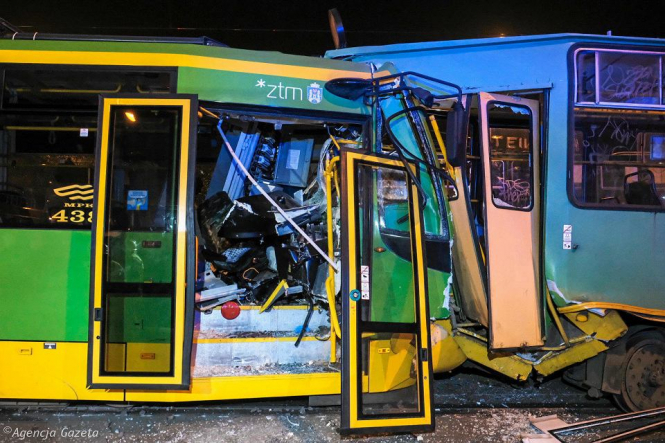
(301, 27)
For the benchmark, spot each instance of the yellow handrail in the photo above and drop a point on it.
(330, 281)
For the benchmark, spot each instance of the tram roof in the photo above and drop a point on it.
(521, 41)
(194, 46)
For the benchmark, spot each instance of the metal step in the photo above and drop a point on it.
(219, 357)
(280, 320)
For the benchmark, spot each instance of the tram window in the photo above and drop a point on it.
(46, 170)
(142, 166)
(625, 77)
(393, 200)
(436, 227)
(628, 78)
(47, 155)
(40, 88)
(510, 156)
(394, 227)
(619, 158)
(393, 300)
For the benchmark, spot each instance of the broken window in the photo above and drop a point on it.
(510, 155)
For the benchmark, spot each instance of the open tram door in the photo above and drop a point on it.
(496, 251)
(510, 153)
(386, 372)
(497, 246)
(143, 253)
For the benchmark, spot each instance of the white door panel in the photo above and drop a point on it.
(510, 157)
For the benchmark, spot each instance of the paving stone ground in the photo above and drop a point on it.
(470, 407)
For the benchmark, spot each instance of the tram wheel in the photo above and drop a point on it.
(643, 373)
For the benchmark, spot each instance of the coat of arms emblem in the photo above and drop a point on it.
(314, 93)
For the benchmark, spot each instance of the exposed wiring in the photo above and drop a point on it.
(295, 226)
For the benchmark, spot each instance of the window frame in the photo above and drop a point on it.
(597, 103)
(172, 71)
(572, 104)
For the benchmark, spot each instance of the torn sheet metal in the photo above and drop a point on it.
(552, 286)
(607, 328)
(511, 366)
(575, 354)
(545, 425)
(218, 295)
(446, 295)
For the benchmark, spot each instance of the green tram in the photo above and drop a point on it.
(179, 219)
(182, 221)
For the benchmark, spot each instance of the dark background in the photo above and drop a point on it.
(301, 27)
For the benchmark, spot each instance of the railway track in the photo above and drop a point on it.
(469, 407)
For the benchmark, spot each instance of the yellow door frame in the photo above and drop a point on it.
(353, 420)
(179, 379)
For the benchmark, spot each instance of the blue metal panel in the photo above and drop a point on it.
(621, 254)
(235, 179)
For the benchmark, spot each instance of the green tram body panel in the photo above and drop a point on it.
(620, 253)
(45, 278)
(238, 84)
